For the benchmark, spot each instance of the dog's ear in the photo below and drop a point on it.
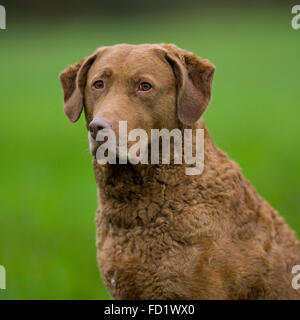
(194, 82)
(73, 81)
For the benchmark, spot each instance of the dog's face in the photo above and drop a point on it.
(149, 86)
(133, 84)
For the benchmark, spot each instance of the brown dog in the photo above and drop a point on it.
(162, 234)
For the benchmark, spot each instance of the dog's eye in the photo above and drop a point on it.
(145, 86)
(99, 84)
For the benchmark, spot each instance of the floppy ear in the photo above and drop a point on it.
(194, 82)
(73, 81)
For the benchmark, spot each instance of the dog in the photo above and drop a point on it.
(163, 234)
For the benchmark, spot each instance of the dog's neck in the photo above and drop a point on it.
(127, 185)
(124, 190)
(125, 182)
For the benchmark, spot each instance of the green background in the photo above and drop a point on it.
(47, 189)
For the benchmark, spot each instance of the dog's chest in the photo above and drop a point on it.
(140, 264)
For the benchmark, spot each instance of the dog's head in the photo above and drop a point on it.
(149, 86)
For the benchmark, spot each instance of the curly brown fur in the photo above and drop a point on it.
(162, 234)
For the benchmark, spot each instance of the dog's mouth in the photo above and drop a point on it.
(94, 145)
(114, 149)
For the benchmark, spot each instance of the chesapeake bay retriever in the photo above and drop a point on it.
(162, 234)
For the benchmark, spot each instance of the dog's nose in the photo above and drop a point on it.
(98, 124)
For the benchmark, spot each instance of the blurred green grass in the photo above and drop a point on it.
(47, 190)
